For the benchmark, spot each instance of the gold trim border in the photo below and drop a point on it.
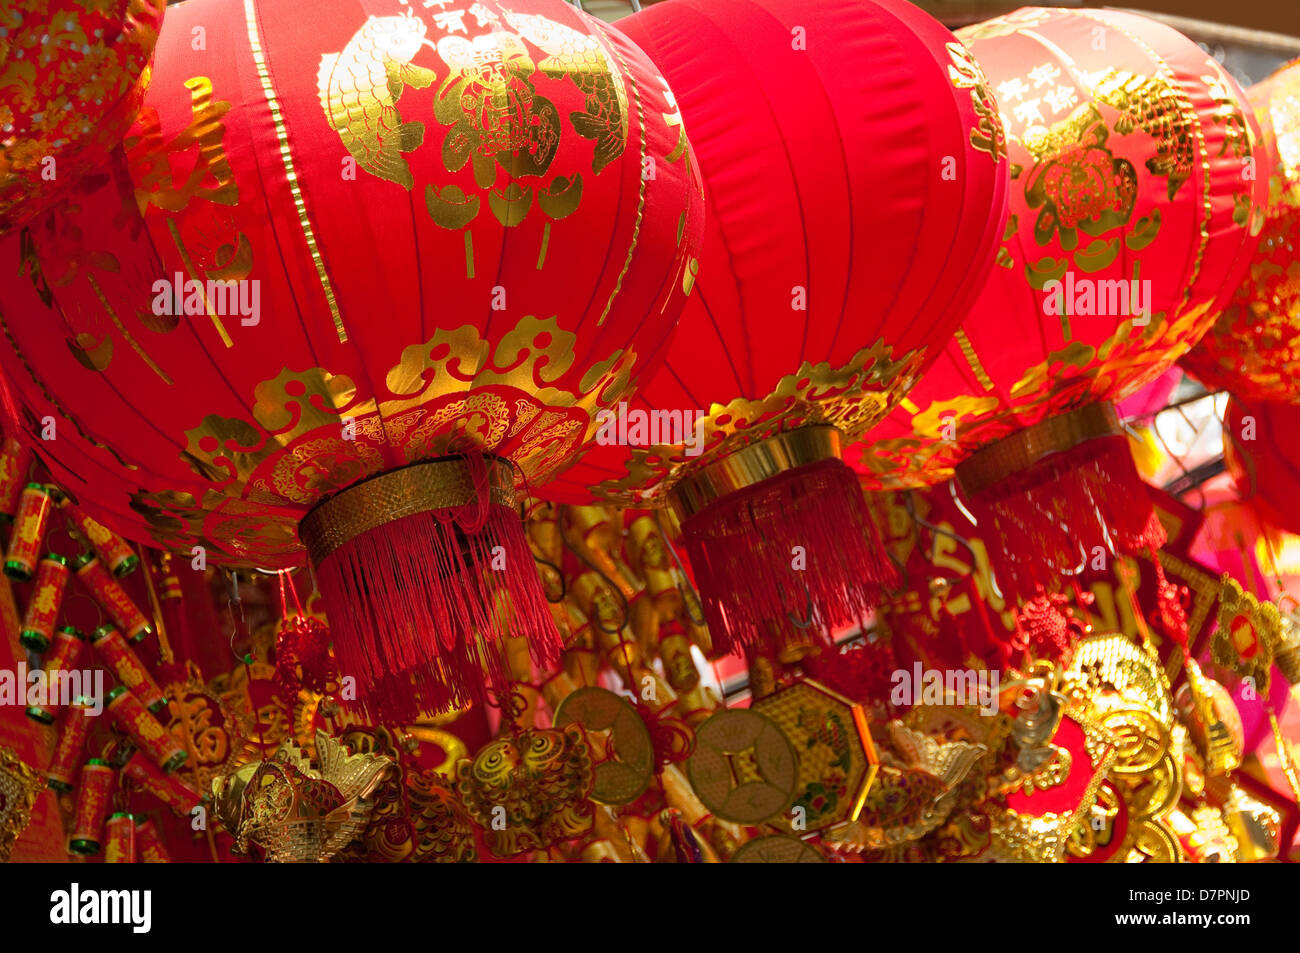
(291, 174)
(753, 464)
(1025, 447)
(396, 494)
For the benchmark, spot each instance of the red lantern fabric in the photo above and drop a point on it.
(855, 173)
(1133, 217)
(1253, 350)
(442, 247)
(1258, 449)
(72, 78)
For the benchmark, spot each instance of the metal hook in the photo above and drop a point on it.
(953, 535)
(952, 491)
(559, 573)
(1083, 560)
(809, 614)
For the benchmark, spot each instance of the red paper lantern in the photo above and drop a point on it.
(444, 259)
(1132, 219)
(1258, 442)
(855, 172)
(1253, 349)
(72, 78)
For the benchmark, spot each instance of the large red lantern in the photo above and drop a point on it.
(855, 170)
(1253, 349)
(360, 271)
(72, 78)
(1138, 191)
(1258, 448)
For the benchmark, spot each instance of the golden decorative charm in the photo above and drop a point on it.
(850, 399)
(1212, 720)
(629, 768)
(837, 759)
(295, 812)
(1120, 687)
(20, 786)
(537, 783)
(914, 792)
(1248, 633)
(744, 768)
(1109, 670)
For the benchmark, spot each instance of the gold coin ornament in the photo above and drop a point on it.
(627, 771)
(777, 849)
(744, 769)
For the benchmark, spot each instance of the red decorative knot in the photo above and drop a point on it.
(672, 739)
(861, 672)
(302, 656)
(1047, 626)
(1172, 602)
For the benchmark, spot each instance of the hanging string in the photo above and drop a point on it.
(1283, 751)
(1081, 600)
(165, 654)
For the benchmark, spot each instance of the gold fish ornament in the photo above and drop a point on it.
(360, 87)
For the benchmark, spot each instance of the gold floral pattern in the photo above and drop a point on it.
(852, 398)
(310, 433)
(72, 78)
(1253, 349)
(988, 135)
(1101, 154)
(20, 785)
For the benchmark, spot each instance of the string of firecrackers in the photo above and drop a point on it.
(144, 754)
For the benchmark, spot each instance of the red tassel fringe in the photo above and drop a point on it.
(1051, 517)
(417, 609)
(741, 549)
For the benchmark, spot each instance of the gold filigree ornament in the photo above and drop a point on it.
(20, 786)
(312, 433)
(530, 790)
(1022, 837)
(1109, 671)
(914, 793)
(1212, 721)
(1052, 794)
(295, 812)
(1115, 684)
(1248, 634)
(806, 418)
